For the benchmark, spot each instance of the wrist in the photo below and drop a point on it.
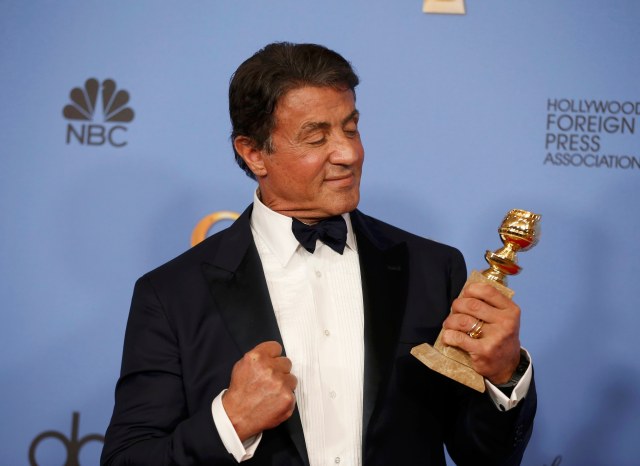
(508, 386)
(234, 416)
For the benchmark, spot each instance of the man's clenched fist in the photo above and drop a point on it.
(260, 395)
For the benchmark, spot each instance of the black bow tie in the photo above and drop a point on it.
(331, 231)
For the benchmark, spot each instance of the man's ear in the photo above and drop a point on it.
(252, 156)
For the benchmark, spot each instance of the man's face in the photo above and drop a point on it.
(315, 167)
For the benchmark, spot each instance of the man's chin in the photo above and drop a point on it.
(346, 205)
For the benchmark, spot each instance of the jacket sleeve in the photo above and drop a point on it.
(152, 423)
(478, 432)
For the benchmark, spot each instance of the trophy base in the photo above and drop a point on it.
(453, 362)
(449, 367)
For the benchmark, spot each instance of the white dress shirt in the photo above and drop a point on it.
(318, 305)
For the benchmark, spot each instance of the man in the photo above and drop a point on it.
(205, 379)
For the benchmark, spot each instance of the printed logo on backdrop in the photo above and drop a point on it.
(455, 7)
(588, 133)
(205, 224)
(96, 114)
(72, 444)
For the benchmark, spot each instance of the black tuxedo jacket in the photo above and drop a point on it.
(194, 317)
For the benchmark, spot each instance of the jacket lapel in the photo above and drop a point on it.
(384, 272)
(242, 297)
(240, 291)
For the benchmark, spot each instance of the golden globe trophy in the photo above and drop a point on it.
(519, 231)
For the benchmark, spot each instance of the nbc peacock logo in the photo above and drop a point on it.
(98, 99)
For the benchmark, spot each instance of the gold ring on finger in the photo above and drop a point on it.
(476, 329)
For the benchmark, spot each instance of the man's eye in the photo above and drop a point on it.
(351, 133)
(318, 142)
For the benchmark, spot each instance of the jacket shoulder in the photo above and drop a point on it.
(390, 234)
(225, 247)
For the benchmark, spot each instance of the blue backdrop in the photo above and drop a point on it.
(529, 104)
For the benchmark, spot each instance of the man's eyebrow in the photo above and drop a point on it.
(314, 125)
(352, 116)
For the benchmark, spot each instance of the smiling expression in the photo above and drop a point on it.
(313, 170)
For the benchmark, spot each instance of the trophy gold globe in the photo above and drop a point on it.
(519, 231)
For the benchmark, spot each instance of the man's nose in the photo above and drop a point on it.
(345, 150)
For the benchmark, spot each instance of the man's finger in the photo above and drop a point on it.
(461, 322)
(291, 381)
(488, 294)
(273, 349)
(474, 308)
(461, 340)
(283, 364)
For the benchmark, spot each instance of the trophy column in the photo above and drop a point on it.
(519, 231)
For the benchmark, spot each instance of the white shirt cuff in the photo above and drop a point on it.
(241, 451)
(504, 403)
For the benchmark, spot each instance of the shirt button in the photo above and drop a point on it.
(332, 394)
(327, 333)
(337, 460)
(318, 274)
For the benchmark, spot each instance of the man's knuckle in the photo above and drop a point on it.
(457, 337)
(475, 305)
(284, 399)
(468, 321)
(251, 356)
(492, 292)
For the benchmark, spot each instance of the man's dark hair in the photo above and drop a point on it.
(269, 74)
